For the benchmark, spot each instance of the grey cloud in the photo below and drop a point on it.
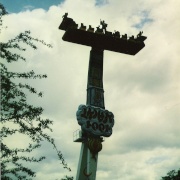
(141, 91)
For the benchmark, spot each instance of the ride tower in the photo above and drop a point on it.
(96, 122)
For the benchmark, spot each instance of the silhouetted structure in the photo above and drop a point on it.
(94, 120)
(101, 38)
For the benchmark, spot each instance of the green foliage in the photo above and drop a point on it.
(172, 175)
(26, 118)
(67, 178)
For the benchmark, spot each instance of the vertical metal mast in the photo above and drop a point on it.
(95, 92)
(95, 97)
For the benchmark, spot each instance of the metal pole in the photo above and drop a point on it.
(82, 166)
(95, 92)
(87, 166)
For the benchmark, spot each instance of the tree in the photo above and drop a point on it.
(172, 175)
(26, 118)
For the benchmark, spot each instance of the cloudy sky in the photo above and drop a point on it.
(142, 91)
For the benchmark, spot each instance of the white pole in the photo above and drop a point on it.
(92, 165)
(82, 165)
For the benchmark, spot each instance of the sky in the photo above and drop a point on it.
(142, 91)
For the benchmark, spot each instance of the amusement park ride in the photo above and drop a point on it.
(96, 122)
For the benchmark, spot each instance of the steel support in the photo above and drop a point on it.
(87, 166)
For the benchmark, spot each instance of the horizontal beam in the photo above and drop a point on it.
(104, 42)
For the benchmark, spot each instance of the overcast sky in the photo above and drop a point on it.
(142, 91)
